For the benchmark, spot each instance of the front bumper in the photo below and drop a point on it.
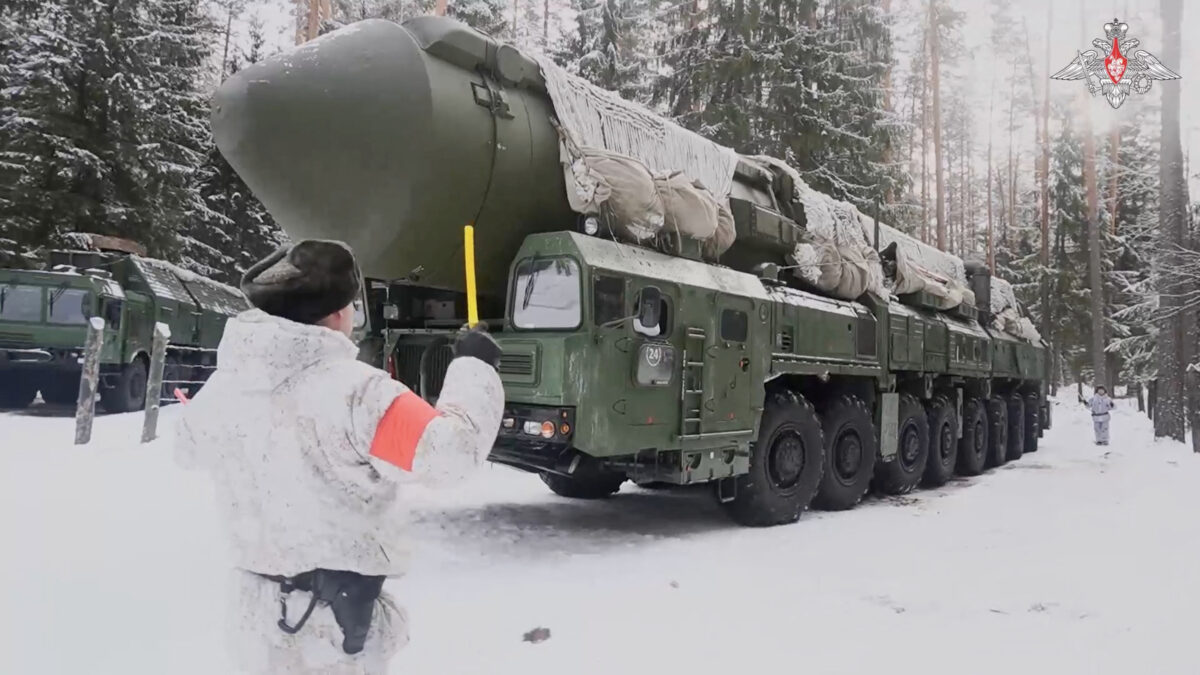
(534, 438)
(25, 357)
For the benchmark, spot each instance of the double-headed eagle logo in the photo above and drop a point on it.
(1107, 75)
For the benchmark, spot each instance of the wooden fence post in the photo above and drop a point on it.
(89, 381)
(158, 358)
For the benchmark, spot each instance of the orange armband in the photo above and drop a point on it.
(401, 428)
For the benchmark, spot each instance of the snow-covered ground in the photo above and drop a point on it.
(1076, 559)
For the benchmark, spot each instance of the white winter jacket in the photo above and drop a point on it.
(305, 445)
(1100, 405)
(287, 425)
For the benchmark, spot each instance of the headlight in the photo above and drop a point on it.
(544, 429)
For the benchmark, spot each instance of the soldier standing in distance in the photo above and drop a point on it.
(1100, 405)
(307, 447)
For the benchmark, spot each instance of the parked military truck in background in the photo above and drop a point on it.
(661, 358)
(44, 321)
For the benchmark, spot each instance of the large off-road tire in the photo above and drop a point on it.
(61, 389)
(16, 391)
(1016, 427)
(997, 415)
(786, 463)
(902, 474)
(849, 454)
(128, 393)
(586, 485)
(943, 442)
(1033, 421)
(973, 446)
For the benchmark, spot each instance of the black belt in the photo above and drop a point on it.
(351, 595)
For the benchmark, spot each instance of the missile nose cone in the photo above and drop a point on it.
(329, 135)
(391, 138)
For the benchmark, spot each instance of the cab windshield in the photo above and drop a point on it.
(20, 302)
(360, 314)
(546, 294)
(69, 306)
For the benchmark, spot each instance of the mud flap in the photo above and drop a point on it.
(888, 422)
(958, 404)
(726, 490)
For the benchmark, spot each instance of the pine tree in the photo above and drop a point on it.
(176, 124)
(1172, 341)
(797, 79)
(609, 46)
(238, 223)
(486, 16)
(45, 159)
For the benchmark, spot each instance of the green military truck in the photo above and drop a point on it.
(654, 361)
(44, 321)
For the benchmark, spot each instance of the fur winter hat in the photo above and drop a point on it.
(304, 282)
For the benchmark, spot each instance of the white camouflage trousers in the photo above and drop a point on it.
(259, 647)
(1100, 427)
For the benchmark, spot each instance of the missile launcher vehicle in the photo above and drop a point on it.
(671, 312)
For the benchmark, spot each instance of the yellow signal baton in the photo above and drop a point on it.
(469, 260)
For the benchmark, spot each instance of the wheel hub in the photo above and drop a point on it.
(910, 448)
(848, 456)
(947, 442)
(787, 460)
(980, 446)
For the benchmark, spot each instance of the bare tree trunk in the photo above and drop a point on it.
(1010, 217)
(545, 25)
(889, 196)
(516, 24)
(1169, 412)
(1047, 318)
(1002, 200)
(228, 35)
(925, 140)
(972, 244)
(963, 190)
(1096, 296)
(935, 63)
(1114, 169)
(991, 251)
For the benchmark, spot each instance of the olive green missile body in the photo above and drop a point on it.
(392, 138)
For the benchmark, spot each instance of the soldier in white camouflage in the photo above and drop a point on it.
(309, 448)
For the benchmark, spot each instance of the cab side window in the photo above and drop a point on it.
(608, 300)
(112, 313)
(735, 325)
(663, 329)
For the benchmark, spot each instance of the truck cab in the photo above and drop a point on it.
(44, 318)
(615, 357)
(43, 325)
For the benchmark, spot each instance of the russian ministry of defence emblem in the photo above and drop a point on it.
(1116, 74)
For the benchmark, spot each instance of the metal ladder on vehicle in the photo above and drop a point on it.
(692, 394)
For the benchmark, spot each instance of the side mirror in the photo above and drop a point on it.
(650, 307)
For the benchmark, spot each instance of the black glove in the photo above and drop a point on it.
(476, 342)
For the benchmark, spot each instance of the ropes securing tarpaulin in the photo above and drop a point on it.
(645, 176)
(597, 118)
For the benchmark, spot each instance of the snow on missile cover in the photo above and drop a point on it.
(598, 118)
(1073, 560)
